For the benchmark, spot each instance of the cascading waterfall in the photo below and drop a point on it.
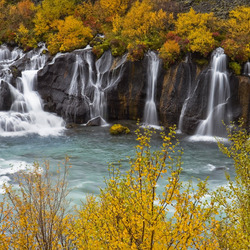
(246, 70)
(150, 117)
(91, 80)
(26, 114)
(99, 103)
(218, 109)
(184, 107)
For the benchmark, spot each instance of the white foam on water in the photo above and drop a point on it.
(148, 126)
(211, 167)
(205, 138)
(11, 167)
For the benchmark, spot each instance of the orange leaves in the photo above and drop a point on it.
(26, 9)
(170, 51)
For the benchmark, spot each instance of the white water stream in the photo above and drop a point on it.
(150, 117)
(91, 80)
(184, 107)
(218, 109)
(26, 114)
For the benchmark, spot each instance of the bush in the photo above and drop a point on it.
(235, 67)
(118, 47)
(35, 214)
(118, 129)
(130, 214)
(234, 200)
(170, 52)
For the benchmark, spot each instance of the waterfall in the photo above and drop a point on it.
(218, 109)
(189, 94)
(78, 77)
(91, 80)
(150, 117)
(246, 70)
(26, 114)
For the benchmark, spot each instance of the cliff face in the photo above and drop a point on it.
(184, 84)
(78, 88)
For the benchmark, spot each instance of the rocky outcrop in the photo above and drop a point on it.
(5, 96)
(126, 97)
(53, 85)
(244, 98)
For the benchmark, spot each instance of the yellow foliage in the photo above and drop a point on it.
(234, 201)
(130, 214)
(35, 216)
(239, 22)
(118, 129)
(25, 37)
(237, 42)
(71, 35)
(197, 28)
(48, 12)
(140, 21)
(170, 51)
(114, 7)
(201, 40)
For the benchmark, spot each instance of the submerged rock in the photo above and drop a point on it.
(97, 121)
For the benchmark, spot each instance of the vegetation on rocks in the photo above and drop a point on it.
(129, 25)
(118, 129)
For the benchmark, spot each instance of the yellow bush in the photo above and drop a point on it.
(130, 214)
(71, 35)
(237, 42)
(118, 129)
(197, 28)
(170, 52)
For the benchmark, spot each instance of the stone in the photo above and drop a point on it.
(5, 96)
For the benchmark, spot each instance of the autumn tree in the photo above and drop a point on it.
(142, 26)
(38, 210)
(131, 214)
(170, 51)
(197, 29)
(234, 200)
(48, 14)
(13, 17)
(237, 42)
(111, 8)
(71, 35)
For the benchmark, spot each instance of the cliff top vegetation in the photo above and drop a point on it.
(171, 27)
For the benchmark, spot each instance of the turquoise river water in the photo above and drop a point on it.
(91, 149)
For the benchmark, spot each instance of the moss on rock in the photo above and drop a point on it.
(118, 129)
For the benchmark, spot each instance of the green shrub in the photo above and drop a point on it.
(235, 67)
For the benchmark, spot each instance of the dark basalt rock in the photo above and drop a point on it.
(126, 99)
(5, 96)
(174, 91)
(53, 85)
(97, 121)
